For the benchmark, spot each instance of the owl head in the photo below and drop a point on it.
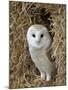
(38, 37)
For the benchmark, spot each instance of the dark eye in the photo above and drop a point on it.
(42, 35)
(33, 35)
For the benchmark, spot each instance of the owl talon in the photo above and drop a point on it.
(43, 76)
(48, 77)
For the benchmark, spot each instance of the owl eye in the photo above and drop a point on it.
(33, 35)
(42, 35)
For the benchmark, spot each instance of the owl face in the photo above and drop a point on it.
(38, 36)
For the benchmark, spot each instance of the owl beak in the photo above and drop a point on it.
(38, 41)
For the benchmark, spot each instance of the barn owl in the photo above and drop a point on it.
(39, 41)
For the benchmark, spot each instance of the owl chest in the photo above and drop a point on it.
(41, 60)
(38, 57)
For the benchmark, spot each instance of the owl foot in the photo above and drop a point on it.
(48, 77)
(42, 76)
